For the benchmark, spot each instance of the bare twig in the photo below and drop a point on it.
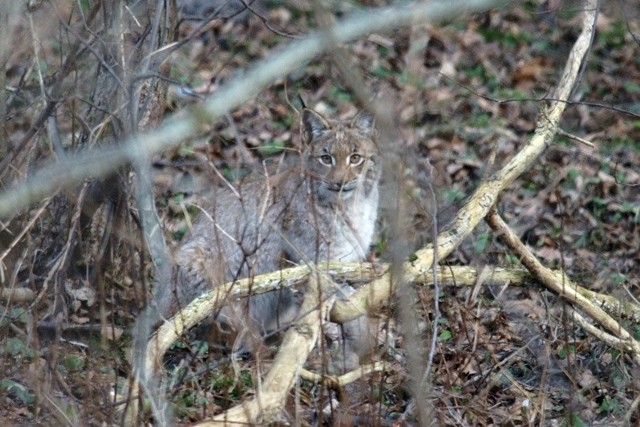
(575, 138)
(265, 21)
(544, 98)
(347, 378)
(24, 230)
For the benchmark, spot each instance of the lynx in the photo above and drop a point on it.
(322, 209)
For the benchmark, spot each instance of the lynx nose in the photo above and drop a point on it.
(335, 186)
(341, 186)
(339, 180)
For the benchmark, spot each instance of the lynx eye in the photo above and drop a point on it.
(356, 159)
(326, 159)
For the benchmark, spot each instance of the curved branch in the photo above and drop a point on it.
(561, 284)
(210, 302)
(267, 406)
(485, 196)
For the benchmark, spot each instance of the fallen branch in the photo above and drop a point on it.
(210, 302)
(298, 342)
(485, 196)
(17, 295)
(561, 284)
(344, 379)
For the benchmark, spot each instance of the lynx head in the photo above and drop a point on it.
(340, 158)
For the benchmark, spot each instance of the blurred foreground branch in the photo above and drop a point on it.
(95, 163)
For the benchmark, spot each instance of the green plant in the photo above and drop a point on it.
(186, 150)
(614, 37)
(512, 259)
(565, 351)
(17, 391)
(234, 174)
(73, 363)
(610, 405)
(382, 72)
(285, 122)
(271, 147)
(573, 420)
(340, 94)
(453, 195)
(445, 335)
(16, 347)
(15, 315)
(481, 242)
(221, 382)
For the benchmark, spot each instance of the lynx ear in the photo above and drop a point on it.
(364, 123)
(313, 124)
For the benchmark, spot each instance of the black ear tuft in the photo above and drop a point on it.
(364, 123)
(313, 125)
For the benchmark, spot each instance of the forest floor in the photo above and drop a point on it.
(463, 103)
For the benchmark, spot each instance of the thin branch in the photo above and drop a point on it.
(53, 96)
(265, 21)
(542, 99)
(576, 138)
